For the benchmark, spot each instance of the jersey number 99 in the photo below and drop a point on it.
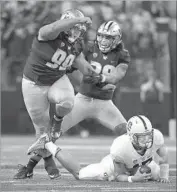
(60, 60)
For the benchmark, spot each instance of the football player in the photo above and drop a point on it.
(131, 157)
(94, 100)
(56, 47)
(131, 153)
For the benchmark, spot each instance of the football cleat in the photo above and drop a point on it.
(51, 168)
(39, 144)
(53, 173)
(23, 173)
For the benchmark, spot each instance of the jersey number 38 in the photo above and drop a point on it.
(60, 60)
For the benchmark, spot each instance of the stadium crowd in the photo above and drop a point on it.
(21, 19)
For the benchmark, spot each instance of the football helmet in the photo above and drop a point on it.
(109, 35)
(78, 30)
(140, 131)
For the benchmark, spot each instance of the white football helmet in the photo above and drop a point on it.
(140, 130)
(78, 31)
(109, 35)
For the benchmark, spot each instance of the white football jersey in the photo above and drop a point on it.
(123, 151)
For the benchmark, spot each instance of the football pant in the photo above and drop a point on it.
(85, 107)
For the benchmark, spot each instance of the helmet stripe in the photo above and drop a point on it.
(144, 123)
(105, 24)
(110, 25)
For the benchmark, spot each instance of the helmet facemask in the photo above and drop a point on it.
(142, 140)
(75, 33)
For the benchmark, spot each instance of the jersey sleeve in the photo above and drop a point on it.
(158, 139)
(116, 151)
(46, 21)
(49, 19)
(124, 56)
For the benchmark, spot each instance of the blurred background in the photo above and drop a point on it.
(149, 33)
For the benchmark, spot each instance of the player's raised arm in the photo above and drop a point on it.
(163, 162)
(67, 21)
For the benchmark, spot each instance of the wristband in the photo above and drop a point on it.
(130, 179)
(164, 170)
(103, 78)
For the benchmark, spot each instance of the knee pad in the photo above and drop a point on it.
(64, 107)
(120, 129)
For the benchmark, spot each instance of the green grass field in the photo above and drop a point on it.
(86, 151)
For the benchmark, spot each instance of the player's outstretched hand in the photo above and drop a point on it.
(86, 20)
(163, 180)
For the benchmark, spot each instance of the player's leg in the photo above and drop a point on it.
(98, 171)
(62, 156)
(80, 111)
(111, 117)
(35, 98)
(92, 172)
(61, 93)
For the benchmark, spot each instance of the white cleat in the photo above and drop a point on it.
(39, 144)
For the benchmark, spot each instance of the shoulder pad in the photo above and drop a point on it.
(116, 150)
(158, 138)
(124, 56)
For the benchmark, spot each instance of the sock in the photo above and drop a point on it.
(58, 118)
(32, 163)
(50, 146)
(56, 123)
(47, 158)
